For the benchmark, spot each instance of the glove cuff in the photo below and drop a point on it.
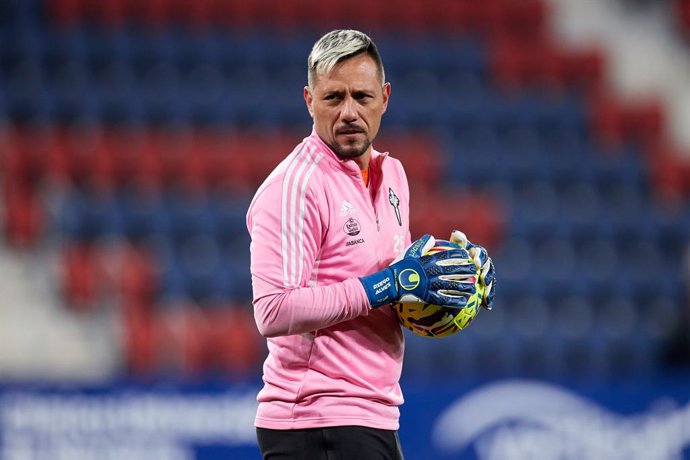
(380, 287)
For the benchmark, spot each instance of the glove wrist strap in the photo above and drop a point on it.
(380, 287)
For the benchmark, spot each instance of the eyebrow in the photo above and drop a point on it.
(355, 93)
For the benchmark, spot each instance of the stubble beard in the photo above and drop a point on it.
(350, 151)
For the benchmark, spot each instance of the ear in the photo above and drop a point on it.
(308, 98)
(386, 95)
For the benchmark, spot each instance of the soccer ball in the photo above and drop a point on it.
(430, 320)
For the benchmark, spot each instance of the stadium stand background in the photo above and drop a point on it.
(133, 133)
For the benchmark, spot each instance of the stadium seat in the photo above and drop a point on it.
(82, 276)
(24, 216)
(140, 332)
(89, 218)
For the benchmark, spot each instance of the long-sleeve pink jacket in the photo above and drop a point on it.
(315, 228)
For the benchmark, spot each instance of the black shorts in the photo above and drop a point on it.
(333, 443)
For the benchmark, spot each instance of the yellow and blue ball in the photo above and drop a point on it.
(431, 320)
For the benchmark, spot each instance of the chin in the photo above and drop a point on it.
(351, 151)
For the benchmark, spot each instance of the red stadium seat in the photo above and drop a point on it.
(524, 20)
(224, 168)
(448, 16)
(670, 174)
(13, 162)
(155, 14)
(66, 12)
(112, 13)
(420, 155)
(172, 146)
(137, 276)
(150, 172)
(606, 120)
(483, 218)
(615, 122)
(198, 341)
(644, 121)
(23, 214)
(140, 330)
(82, 276)
(235, 341)
(262, 153)
(683, 17)
(585, 69)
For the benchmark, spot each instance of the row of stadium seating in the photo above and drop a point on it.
(447, 16)
(234, 159)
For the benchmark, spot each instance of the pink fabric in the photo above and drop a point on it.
(315, 228)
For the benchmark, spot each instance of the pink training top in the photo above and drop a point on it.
(315, 228)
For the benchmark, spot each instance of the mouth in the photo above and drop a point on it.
(349, 131)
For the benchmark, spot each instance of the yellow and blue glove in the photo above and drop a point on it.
(487, 272)
(439, 278)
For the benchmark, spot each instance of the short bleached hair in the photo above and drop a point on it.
(335, 47)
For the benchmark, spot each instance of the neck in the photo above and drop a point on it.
(363, 160)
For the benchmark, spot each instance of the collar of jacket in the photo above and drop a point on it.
(349, 165)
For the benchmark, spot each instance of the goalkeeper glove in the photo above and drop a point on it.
(487, 275)
(441, 278)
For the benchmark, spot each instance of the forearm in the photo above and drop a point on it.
(305, 309)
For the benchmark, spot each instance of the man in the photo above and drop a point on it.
(325, 226)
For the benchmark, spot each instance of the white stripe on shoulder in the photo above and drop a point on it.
(302, 163)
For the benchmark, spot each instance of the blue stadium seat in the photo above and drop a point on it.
(88, 217)
(463, 94)
(28, 92)
(204, 88)
(173, 284)
(202, 48)
(237, 259)
(516, 259)
(416, 97)
(161, 93)
(68, 45)
(597, 263)
(25, 43)
(475, 151)
(200, 258)
(116, 89)
(563, 113)
(229, 216)
(286, 93)
(535, 214)
(106, 47)
(145, 217)
(250, 94)
(154, 47)
(555, 265)
(190, 216)
(73, 93)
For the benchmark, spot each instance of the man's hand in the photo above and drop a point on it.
(487, 273)
(440, 278)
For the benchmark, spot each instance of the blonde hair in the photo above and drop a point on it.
(338, 45)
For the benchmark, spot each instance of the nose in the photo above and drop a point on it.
(349, 110)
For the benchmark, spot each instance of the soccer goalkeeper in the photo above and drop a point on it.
(325, 226)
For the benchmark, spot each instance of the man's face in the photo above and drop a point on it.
(346, 105)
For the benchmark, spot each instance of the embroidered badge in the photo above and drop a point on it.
(352, 227)
(395, 202)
